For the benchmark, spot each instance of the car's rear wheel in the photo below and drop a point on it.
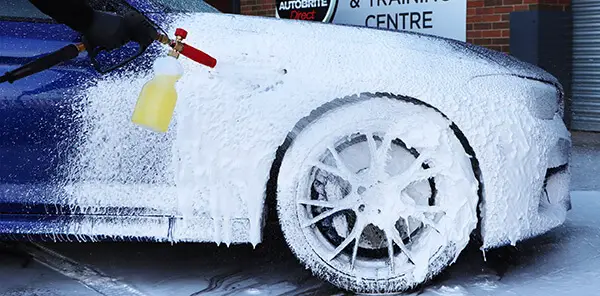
(377, 195)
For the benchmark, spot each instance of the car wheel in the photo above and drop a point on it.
(377, 195)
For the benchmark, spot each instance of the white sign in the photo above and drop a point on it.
(445, 18)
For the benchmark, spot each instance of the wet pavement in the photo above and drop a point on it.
(556, 263)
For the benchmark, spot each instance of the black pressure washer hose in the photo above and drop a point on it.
(69, 52)
(48, 61)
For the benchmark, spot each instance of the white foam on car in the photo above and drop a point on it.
(167, 65)
(229, 121)
(455, 183)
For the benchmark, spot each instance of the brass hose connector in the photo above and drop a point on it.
(174, 52)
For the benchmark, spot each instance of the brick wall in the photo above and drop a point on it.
(221, 5)
(257, 7)
(488, 21)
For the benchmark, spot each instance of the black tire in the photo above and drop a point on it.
(452, 191)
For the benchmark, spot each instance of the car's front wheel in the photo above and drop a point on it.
(377, 195)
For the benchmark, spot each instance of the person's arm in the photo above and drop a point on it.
(76, 14)
(99, 29)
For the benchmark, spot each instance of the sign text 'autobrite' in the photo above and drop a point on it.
(446, 18)
(310, 10)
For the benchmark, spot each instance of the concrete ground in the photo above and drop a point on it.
(563, 261)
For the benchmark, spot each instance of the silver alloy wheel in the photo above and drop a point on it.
(351, 203)
(377, 196)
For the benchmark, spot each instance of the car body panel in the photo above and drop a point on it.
(35, 112)
(209, 172)
(39, 122)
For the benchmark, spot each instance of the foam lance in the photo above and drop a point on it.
(156, 102)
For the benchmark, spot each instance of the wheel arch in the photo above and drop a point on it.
(270, 212)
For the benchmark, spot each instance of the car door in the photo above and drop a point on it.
(39, 126)
(34, 112)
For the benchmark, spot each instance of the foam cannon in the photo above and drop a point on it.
(71, 51)
(156, 102)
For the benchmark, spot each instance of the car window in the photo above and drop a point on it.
(23, 10)
(20, 10)
(175, 6)
(117, 6)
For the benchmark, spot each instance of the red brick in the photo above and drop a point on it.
(521, 7)
(501, 25)
(492, 2)
(474, 34)
(506, 33)
(491, 33)
(485, 10)
(512, 2)
(482, 26)
(482, 41)
(474, 19)
(503, 9)
(491, 18)
(474, 4)
(258, 7)
(501, 41)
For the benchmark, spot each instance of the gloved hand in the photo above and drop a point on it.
(110, 31)
(107, 31)
(139, 29)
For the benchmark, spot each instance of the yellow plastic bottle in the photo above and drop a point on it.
(156, 103)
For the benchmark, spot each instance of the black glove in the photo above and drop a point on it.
(140, 29)
(107, 31)
(110, 31)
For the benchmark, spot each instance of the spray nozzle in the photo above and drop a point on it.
(179, 47)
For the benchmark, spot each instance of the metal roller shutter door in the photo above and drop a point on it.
(586, 65)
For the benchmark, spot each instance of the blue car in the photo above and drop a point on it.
(36, 121)
(380, 154)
